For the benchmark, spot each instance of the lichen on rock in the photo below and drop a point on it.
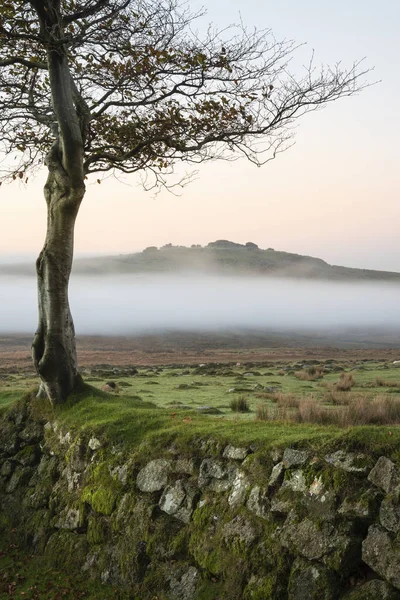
(381, 551)
(178, 500)
(312, 581)
(154, 476)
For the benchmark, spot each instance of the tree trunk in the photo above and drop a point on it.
(53, 348)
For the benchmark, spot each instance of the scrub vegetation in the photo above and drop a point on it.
(248, 401)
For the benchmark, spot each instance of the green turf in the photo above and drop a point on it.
(174, 388)
(177, 387)
(154, 408)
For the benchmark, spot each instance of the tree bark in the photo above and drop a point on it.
(53, 348)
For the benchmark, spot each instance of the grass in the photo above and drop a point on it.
(380, 382)
(240, 404)
(148, 430)
(134, 423)
(358, 410)
(23, 576)
(310, 374)
(267, 403)
(345, 383)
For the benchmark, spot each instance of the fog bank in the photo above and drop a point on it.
(124, 305)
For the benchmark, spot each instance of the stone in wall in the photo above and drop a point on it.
(373, 590)
(336, 547)
(154, 476)
(235, 453)
(381, 551)
(312, 581)
(179, 500)
(216, 475)
(389, 514)
(348, 461)
(184, 588)
(239, 489)
(258, 503)
(294, 458)
(385, 475)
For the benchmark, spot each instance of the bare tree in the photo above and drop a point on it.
(126, 86)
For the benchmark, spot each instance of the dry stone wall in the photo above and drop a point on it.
(212, 521)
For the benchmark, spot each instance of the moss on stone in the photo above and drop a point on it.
(342, 481)
(102, 491)
(261, 588)
(5, 522)
(209, 589)
(205, 538)
(126, 508)
(28, 455)
(98, 530)
(259, 466)
(168, 539)
(270, 567)
(180, 543)
(67, 550)
(222, 544)
(103, 500)
(134, 529)
(312, 581)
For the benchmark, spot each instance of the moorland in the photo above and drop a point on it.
(249, 376)
(221, 256)
(143, 397)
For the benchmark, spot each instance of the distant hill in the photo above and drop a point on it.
(219, 257)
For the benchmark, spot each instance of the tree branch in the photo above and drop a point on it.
(133, 88)
(83, 13)
(30, 64)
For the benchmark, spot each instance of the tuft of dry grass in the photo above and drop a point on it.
(345, 383)
(265, 396)
(324, 384)
(310, 374)
(312, 412)
(380, 410)
(337, 398)
(240, 404)
(360, 410)
(380, 382)
(279, 398)
(287, 400)
(264, 412)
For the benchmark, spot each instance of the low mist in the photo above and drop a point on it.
(124, 305)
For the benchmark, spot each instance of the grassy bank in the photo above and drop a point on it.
(284, 404)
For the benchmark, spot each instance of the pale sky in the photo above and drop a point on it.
(334, 195)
